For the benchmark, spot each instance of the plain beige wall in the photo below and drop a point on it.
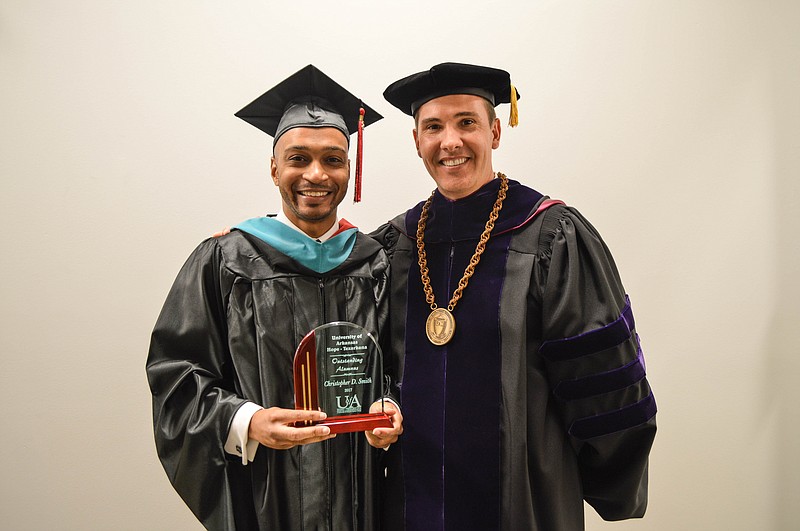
(672, 125)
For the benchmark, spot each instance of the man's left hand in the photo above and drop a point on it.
(383, 437)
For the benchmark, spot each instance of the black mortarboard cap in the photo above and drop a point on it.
(309, 98)
(411, 92)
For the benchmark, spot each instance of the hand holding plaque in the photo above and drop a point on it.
(338, 369)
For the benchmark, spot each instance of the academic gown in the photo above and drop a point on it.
(540, 400)
(227, 334)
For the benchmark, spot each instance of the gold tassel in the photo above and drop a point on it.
(513, 117)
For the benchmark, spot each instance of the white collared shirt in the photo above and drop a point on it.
(283, 218)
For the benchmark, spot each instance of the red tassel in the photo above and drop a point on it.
(359, 155)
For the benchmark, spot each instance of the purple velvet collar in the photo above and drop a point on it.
(463, 219)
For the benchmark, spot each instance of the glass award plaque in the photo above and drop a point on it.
(338, 369)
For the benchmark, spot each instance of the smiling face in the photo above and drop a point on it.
(455, 137)
(311, 169)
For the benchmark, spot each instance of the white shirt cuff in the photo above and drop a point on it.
(238, 443)
(391, 401)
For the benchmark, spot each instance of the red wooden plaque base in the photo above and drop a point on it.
(363, 422)
(351, 423)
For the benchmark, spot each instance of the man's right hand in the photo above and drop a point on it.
(274, 427)
(223, 232)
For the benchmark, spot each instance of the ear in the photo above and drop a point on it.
(416, 142)
(496, 133)
(273, 170)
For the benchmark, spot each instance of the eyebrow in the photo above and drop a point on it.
(461, 114)
(300, 147)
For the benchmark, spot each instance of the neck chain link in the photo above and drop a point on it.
(476, 257)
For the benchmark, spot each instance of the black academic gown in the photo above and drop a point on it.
(539, 401)
(226, 335)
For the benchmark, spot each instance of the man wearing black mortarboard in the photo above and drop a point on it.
(220, 363)
(522, 378)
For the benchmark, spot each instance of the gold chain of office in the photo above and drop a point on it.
(441, 325)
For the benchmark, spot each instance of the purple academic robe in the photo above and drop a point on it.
(539, 401)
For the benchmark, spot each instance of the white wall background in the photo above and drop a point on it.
(672, 125)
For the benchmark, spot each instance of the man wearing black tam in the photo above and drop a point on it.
(220, 360)
(522, 378)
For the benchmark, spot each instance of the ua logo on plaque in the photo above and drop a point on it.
(351, 404)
